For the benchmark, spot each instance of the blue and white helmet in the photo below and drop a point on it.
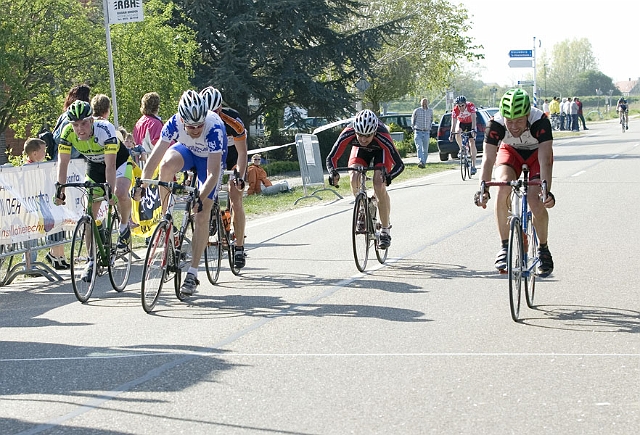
(192, 108)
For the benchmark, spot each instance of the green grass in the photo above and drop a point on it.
(260, 205)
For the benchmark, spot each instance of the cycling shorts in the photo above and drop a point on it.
(364, 157)
(464, 126)
(96, 171)
(192, 161)
(514, 158)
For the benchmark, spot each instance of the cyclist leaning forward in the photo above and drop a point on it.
(370, 142)
(107, 161)
(199, 141)
(519, 134)
(623, 111)
(236, 154)
(463, 118)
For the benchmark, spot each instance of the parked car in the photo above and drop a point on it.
(304, 125)
(447, 148)
(403, 120)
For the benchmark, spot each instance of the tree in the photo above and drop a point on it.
(569, 59)
(282, 52)
(151, 55)
(428, 50)
(44, 48)
(587, 82)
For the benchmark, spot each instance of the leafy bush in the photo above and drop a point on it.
(281, 167)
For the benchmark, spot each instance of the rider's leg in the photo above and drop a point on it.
(384, 202)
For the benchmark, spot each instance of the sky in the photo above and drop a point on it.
(504, 25)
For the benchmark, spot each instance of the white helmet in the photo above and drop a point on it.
(366, 122)
(192, 108)
(212, 98)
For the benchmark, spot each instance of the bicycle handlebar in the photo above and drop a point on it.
(84, 185)
(173, 186)
(361, 169)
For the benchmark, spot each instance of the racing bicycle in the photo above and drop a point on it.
(169, 252)
(465, 156)
(522, 254)
(365, 226)
(94, 245)
(221, 239)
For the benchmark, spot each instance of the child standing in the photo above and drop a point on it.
(36, 151)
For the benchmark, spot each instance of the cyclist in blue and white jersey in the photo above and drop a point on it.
(199, 140)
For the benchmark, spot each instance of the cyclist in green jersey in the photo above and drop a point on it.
(107, 161)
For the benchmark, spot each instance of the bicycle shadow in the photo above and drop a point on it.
(586, 318)
(442, 270)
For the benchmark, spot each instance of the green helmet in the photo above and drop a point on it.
(79, 110)
(515, 103)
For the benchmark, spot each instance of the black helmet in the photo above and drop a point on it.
(79, 110)
(460, 99)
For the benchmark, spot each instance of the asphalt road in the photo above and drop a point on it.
(301, 343)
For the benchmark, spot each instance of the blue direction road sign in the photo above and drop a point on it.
(521, 53)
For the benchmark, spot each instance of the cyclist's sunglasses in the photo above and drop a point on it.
(365, 135)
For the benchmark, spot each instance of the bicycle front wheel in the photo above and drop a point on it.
(531, 246)
(155, 265)
(360, 232)
(514, 267)
(119, 259)
(84, 265)
(463, 164)
(213, 251)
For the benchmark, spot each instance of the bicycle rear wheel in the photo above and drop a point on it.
(155, 265)
(514, 267)
(120, 259)
(83, 253)
(532, 261)
(213, 251)
(184, 255)
(360, 232)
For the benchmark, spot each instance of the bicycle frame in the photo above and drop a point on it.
(521, 238)
(103, 252)
(363, 207)
(164, 256)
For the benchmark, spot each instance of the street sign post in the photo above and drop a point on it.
(521, 53)
(521, 63)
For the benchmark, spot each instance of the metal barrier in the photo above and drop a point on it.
(15, 259)
(311, 169)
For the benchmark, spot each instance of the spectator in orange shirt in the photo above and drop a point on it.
(256, 176)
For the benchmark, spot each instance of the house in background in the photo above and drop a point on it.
(629, 87)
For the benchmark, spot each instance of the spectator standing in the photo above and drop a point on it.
(149, 125)
(101, 106)
(421, 121)
(35, 149)
(80, 92)
(580, 114)
(573, 111)
(563, 114)
(256, 176)
(545, 108)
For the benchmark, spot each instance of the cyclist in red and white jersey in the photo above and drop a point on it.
(463, 118)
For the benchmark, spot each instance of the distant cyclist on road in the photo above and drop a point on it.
(463, 118)
(623, 111)
(519, 134)
(370, 142)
